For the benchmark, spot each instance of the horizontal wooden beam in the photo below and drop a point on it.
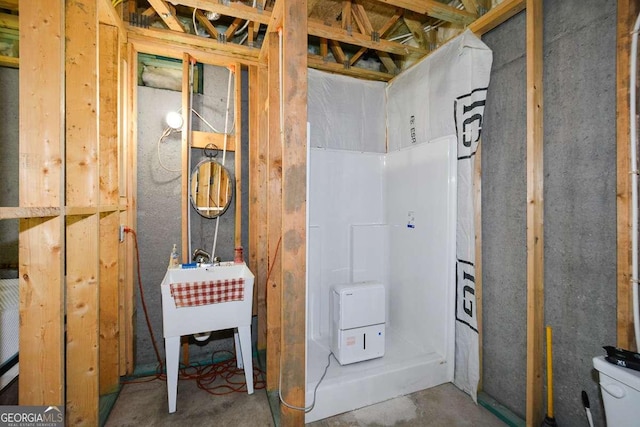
(173, 44)
(435, 9)
(235, 10)
(9, 4)
(9, 61)
(29, 212)
(319, 29)
(9, 21)
(202, 139)
(317, 62)
(496, 16)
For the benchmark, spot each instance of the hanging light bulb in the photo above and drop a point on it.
(174, 120)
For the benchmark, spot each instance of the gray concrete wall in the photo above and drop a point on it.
(579, 197)
(159, 202)
(9, 164)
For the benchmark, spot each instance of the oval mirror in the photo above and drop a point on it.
(211, 188)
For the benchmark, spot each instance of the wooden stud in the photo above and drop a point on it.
(627, 11)
(109, 223)
(294, 208)
(237, 116)
(131, 167)
(324, 47)
(337, 51)
(496, 16)
(260, 216)
(535, 215)
(186, 144)
(82, 320)
(82, 190)
(251, 255)
(274, 219)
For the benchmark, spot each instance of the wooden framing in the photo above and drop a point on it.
(109, 63)
(82, 231)
(274, 219)
(237, 118)
(535, 215)
(186, 144)
(258, 209)
(41, 239)
(294, 210)
(627, 11)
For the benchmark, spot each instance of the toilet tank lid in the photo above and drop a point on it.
(626, 376)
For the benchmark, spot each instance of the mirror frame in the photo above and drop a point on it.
(195, 170)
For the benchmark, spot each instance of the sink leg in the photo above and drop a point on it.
(247, 355)
(238, 349)
(172, 351)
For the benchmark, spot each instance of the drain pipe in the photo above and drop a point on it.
(634, 180)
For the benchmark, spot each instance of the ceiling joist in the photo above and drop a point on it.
(435, 9)
(234, 10)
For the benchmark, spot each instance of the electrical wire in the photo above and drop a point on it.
(193, 17)
(168, 131)
(142, 299)
(313, 403)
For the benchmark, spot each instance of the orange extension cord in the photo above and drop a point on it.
(205, 376)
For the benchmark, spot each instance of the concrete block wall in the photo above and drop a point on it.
(579, 197)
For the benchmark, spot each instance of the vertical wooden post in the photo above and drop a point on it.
(627, 12)
(130, 165)
(535, 215)
(41, 240)
(82, 199)
(237, 155)
(109, 378)
(186, 147)
(274, 219)
(259, 212)
(294, 210)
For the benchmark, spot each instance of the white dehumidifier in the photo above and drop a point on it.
(358, 321)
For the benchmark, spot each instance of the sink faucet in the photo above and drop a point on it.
(201, 256)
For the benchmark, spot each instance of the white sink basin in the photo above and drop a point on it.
(178, 321)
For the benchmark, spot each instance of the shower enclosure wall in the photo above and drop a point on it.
(385, 217)
(384, 164)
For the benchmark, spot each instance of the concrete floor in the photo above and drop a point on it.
(145, 404)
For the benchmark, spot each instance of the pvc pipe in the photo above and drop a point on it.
(634, 180)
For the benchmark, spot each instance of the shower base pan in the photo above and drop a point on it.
(405, 368)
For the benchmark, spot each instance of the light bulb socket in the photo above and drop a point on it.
(174, 120)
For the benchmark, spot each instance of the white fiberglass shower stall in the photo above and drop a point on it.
(382, 206)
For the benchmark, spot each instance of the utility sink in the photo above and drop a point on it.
(187, 320)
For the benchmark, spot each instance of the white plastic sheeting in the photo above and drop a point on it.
(346, 113)
(444, 95)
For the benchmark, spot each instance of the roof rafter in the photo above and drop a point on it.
(235, 10)
(434, 9)
(168, 14)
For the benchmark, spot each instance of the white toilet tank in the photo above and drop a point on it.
(620, 392)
